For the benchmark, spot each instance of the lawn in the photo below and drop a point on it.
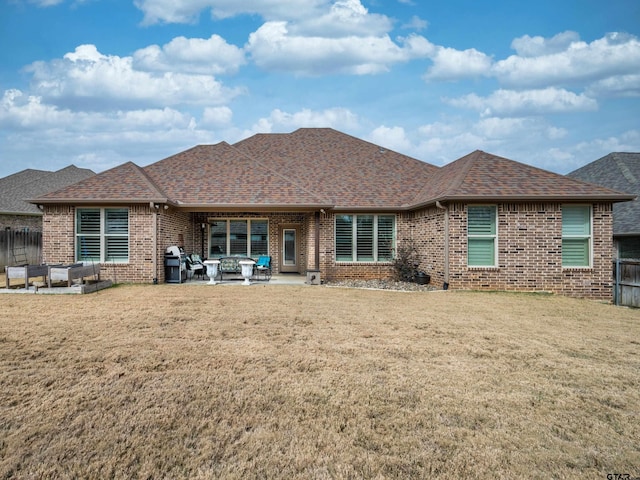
(199, 381)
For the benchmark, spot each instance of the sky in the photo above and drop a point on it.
(97, 83)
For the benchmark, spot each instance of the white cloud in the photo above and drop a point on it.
(217, 116)
(96, 140)
(495, 127)
(19, 110)
(527, 46)
(394, 138)
(304, 38)
(186, 11)
(92, 80)
(344, 18)
(45, 3)
(579, 62)
(528, 102)
(618, 86)
(278, 120)
(570, 157)
(27, 112)
(273, 47)
(452, 64)
(416, 23)
(212, 56)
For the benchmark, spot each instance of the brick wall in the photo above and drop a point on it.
(21, 222)
(58, 239)
(530, 253)
(426, 230)
(529, 246)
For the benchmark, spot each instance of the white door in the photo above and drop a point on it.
(289, 258)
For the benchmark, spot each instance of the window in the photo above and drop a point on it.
(238, 237)
(365, 238)
(102, 235)
(576, 236)
(481, 236)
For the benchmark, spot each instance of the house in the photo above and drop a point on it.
(619, 171)
(16, 212)
(318, 199)
(21, 221)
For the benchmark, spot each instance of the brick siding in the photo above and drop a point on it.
(21, 222)
(529, 246)
(530, 253)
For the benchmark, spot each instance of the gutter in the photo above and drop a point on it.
(521, 198)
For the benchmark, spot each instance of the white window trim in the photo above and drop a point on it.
(228, 221)
(495, 238)
(354, 238)
(103, 235)
(588, 237)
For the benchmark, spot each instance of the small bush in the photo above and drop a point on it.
(406, 262)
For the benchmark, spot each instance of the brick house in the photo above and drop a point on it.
(318, 199)
(16, 212)
(21, 221)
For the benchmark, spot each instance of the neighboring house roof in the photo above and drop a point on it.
(619, 171)
(321, 168)
(16, 189)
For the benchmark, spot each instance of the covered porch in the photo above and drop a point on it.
(290, 239)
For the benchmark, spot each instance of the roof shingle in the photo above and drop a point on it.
(16, 189)
(481, 176)
(321, 168)
(620, 171)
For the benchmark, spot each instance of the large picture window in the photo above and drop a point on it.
(482, 234)
(576, 236)
(238, 237)
(102, 235)
(365, 238)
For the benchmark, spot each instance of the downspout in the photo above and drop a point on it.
(317, 252)
(445, 285)
(155, 247)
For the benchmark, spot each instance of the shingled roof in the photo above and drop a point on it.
(224, 176)
(345, 171)
(619, 171)
(17, 189)
(127, 183)
(481, 176)
(321, 168)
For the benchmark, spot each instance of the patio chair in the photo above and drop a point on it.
(195, 266)
(263, 267)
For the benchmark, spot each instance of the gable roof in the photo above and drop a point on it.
(620, 171)
(481, 176)
(320, 168)
(16, 189)
(127, 183)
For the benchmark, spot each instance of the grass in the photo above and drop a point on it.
(194, 381)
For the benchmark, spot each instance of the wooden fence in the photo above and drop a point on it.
(20, 247)
(626, 286)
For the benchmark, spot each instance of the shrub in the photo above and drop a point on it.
(406, 262)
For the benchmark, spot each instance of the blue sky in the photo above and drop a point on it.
(97, 83)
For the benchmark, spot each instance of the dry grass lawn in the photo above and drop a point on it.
(194, 381)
